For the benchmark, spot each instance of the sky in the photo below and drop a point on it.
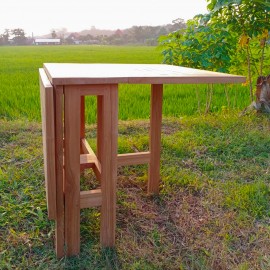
(41, 17)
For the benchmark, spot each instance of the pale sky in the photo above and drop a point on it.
(41, 16)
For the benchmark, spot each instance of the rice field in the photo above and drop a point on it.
(19, 85)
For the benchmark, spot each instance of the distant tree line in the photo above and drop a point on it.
(142, 35)
(14, 37)
(137, 35)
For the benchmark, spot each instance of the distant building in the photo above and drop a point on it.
(47, 41)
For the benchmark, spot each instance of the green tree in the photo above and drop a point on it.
(53, 34)
(232, 37)
(250, 20)
(201, 45)
(19, 37)
(4, 38)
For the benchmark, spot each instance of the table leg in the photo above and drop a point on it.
(72, 170)
(109, 106)
(99, 126)
(155, 138)
(60, 229)
(82, 117)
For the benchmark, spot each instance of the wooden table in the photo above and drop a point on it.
(66, 151)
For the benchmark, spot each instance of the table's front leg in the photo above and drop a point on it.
(155, 138)
(107, 152)
(72, 169)
(60, 228)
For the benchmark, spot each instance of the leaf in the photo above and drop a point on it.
(265, 33)
(244, 40)
(220, 4)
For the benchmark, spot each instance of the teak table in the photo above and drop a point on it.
(66, 151)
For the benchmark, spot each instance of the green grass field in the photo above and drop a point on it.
(19, 88)
(213, 211)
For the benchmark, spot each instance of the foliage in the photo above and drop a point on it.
(203, 46)
(4, 38)
(250, 21)
(232, 37)
(19, 37)
(53, 34)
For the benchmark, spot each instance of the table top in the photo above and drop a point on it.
(70, 74)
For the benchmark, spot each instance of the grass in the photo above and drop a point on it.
(19, 88)
(212, 213)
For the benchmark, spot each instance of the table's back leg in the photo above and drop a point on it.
(155, 138)
(99, 126)
(72, 170)
(82, 136)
